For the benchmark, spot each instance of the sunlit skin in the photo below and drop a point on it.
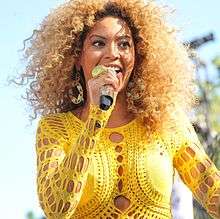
(109, 43)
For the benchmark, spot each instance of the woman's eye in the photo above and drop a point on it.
(98, 43)
(124, 44)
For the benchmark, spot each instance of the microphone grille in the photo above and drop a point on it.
(99, 69)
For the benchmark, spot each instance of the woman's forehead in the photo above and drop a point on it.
(110, 26)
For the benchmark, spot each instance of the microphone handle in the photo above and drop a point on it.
(106, 97)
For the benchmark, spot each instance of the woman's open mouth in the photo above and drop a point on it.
(117, 69)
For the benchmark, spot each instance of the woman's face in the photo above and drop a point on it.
(109, 43)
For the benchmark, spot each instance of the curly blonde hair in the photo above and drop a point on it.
(162, 79)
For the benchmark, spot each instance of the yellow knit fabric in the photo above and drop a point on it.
(86, 170)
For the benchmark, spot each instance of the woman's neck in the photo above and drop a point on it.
(120, 111)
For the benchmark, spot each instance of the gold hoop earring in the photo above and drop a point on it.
(76, 89)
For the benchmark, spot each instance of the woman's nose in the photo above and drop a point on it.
(113, 51)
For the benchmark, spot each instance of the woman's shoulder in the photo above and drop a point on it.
(179, 131)
(63, 124)
(61, 118)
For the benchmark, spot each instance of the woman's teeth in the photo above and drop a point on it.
(116, 69)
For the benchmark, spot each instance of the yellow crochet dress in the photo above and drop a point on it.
(86, 170)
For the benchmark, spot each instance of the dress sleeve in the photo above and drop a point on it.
(196, 169)
(62, 175)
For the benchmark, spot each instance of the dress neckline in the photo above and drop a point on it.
(106, 128)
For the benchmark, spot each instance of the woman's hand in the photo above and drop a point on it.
(106, 78)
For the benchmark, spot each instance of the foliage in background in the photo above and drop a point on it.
(30, 215)
(207, 124)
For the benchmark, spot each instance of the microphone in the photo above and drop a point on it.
(107, 91)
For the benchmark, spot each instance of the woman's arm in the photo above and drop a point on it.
(198, 172)
(62, 175)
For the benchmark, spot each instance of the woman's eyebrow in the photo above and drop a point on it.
(118, 37)
(124, 37)
(96, 35)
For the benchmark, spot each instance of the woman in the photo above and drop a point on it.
(119, 162)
